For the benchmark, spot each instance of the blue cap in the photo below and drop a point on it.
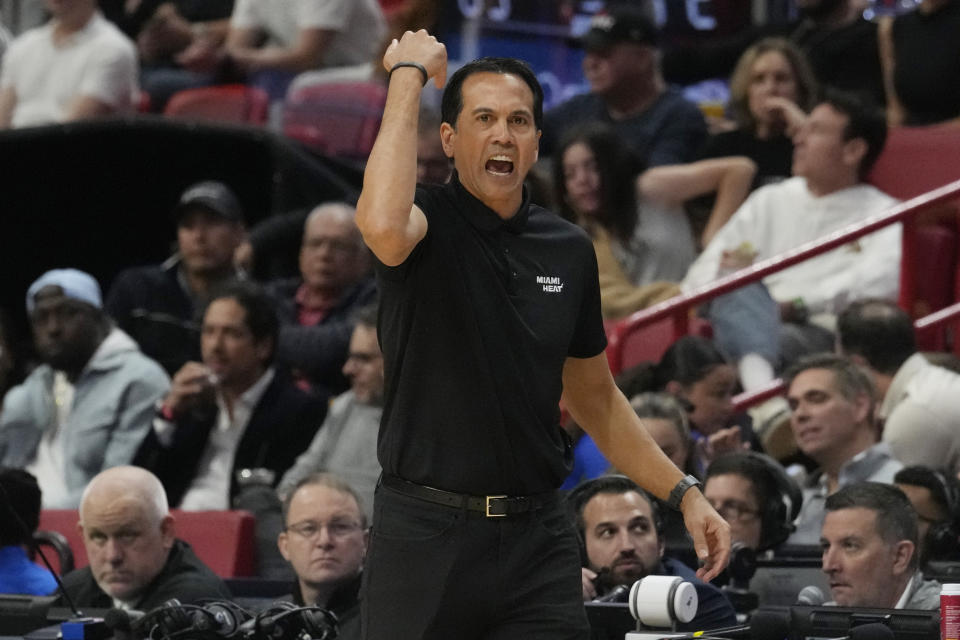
(75, 284)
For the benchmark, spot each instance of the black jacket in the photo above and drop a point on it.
(150, 305)
(281, 427)
(318, 352)
(183, 577)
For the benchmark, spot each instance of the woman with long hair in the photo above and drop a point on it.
(640, 231)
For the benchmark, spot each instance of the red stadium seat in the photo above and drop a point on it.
(224, 540)
(914, 161)
(339, 119)
(233, 103)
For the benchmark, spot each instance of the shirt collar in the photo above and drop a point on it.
(483, 217)
(908, 590)
(249, 398)
(860, 467)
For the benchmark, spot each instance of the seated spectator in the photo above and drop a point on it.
(619, 527)
(75, 67)
(159, 305)
(627, 91)
(232, 413)
(20, 517)
(755, 496)
(272, 43)
(764, 325)
(921, 63)
(91, 401)
(918, 401)
(136, 561)
(166, 30)
(839, 42)
(696, 374)
(935, 497)
(832, 403)
(869, 542)
(325, 539)
(315, 308)
(640, 232)
(771, 90)
(346, 444)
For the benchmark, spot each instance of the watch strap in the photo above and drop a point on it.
(680, 489)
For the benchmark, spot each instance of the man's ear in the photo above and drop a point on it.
(447, 134)
(282, 545)
(854, 151)
(902, 553)
(167, 531)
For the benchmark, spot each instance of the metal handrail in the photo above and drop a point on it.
(678, 306)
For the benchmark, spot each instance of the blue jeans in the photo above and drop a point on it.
(748, 321)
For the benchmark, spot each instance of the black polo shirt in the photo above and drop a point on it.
(475, 327)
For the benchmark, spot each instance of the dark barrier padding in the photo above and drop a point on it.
(98, 195)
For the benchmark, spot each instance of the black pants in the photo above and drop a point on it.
(435, 572)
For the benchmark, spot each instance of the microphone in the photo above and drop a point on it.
(617, 594)
(811, 596)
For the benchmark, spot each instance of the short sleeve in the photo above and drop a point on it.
(589, 338)
(323, 14)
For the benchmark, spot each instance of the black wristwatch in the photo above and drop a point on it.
(676, 496)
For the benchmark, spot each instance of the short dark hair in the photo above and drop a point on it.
(452, 102)
(614, 484)
(850, 379)
(366, 316)
(330, 481)
(878, 331)
(260, 315)
(687, 361)
(20, 506)
(943, 486)
(896, 518)
(864, 120)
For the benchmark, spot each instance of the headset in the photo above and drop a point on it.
(784, 497)
(579, 496)
(942, 537)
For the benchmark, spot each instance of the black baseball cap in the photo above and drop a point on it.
(213, 196)
(619, 24)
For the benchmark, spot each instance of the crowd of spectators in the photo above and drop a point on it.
(190, 384)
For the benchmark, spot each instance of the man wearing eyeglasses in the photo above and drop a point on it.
(346, 443)
(324, 540)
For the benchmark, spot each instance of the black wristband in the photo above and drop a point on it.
(415, 65)
(676, 496)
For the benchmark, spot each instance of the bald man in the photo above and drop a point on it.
(136, 562)
(315, 309)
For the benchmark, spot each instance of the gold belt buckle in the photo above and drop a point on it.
(494, 515)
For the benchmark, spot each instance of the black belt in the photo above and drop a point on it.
(490, 506)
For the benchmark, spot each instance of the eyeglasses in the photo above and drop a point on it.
(362, 358)
(734, 510)
(336, 529)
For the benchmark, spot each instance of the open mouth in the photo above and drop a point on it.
(499, 165)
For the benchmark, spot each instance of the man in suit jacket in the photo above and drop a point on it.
(232, 417)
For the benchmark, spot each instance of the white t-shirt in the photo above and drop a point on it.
(359, 24)
(779, 218)
(98, 61)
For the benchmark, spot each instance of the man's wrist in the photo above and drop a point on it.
(680, 490)
(411, 65)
